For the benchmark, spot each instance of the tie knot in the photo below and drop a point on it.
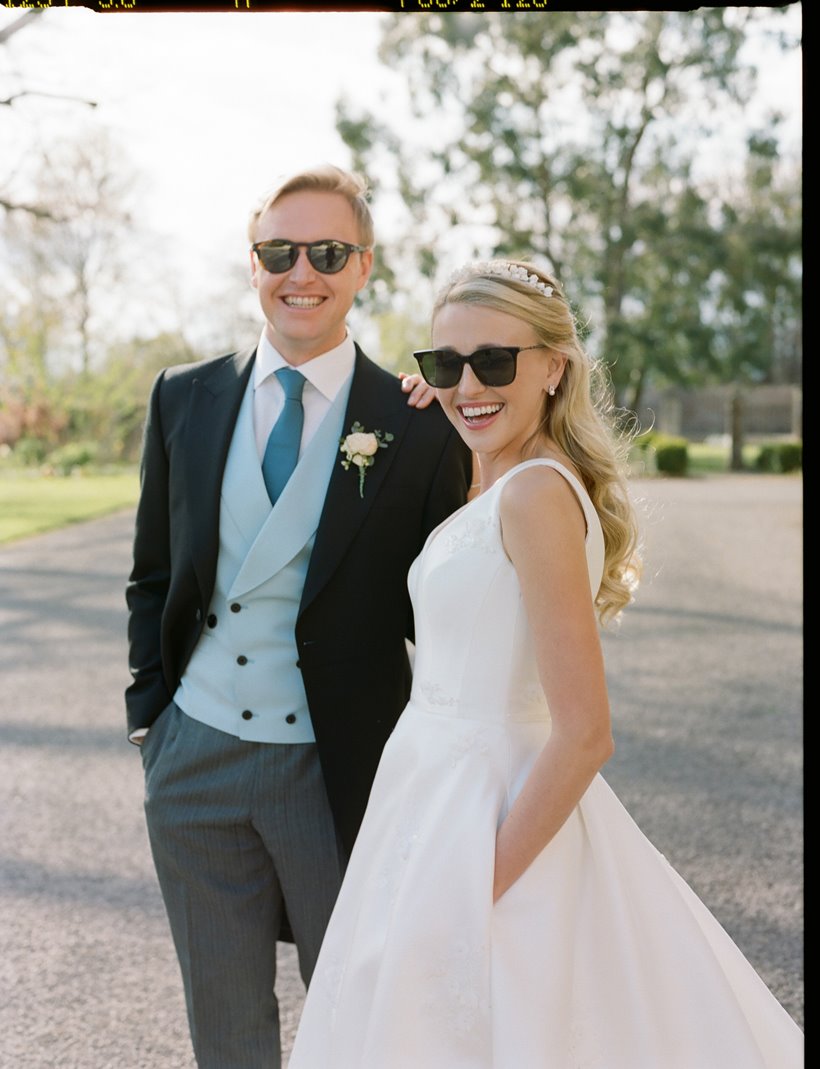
(292, 382)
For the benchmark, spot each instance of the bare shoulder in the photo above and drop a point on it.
(539, 488)
(540, 502)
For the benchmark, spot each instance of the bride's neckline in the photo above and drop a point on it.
(550, 461)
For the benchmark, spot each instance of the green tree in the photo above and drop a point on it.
(570, 137)
(759, 299)
(758, 295)
(108, 406)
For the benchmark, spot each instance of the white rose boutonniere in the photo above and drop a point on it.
(360, 448)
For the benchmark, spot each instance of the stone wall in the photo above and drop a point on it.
(696, 414)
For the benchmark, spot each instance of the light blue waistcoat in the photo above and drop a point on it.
(242, 677)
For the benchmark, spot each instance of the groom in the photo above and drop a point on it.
(268, 612)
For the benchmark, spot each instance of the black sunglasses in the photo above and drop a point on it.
(494, 365)
(327, 256)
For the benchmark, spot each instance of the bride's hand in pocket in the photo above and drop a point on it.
(503, 876)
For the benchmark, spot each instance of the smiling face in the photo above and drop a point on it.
(495, 421)
(305, 310)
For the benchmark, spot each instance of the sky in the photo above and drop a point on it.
(210, 106)
(213, 107)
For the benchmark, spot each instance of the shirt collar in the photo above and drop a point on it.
(327, 372)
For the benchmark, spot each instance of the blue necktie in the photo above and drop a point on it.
(282, 450)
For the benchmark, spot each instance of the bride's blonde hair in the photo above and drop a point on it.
(580, 418)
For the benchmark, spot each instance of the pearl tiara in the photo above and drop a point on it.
(503, 269)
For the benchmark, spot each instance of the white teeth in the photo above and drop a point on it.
(481, 410)
(303, 302)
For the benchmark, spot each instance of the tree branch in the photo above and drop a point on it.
(18, 24)
(44, 93)
(32, 209)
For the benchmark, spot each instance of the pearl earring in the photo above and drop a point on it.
(551, 390)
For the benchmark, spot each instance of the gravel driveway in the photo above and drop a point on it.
(706, 686)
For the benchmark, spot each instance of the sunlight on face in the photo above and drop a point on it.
(306, 310)
(494, 419)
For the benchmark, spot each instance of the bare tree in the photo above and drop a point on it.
(76, 245)
(19, 23)
(8, 201)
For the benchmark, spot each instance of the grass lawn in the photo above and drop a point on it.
(706, 459)
(31, 504)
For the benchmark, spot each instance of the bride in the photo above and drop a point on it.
(501, 910)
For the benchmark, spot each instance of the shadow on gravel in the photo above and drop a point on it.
(57, 737)
(39, 882)
(679, 615)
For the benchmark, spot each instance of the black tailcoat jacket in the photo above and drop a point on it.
(355, 612)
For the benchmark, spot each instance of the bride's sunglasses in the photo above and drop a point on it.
(494, 365)
(327, 256)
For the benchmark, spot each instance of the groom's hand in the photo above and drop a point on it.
(419, 393)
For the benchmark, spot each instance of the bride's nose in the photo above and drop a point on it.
(469, 386)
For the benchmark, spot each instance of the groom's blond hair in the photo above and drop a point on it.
(324, 179)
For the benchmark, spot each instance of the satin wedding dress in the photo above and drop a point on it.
(599, 957)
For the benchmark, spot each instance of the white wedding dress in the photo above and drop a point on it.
(599, 957)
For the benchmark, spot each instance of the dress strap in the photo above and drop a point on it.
(584, 500)
(595, 549)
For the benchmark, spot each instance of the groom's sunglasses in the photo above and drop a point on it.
(327, 256)
(494, 365)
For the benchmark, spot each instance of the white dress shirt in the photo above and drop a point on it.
(325, 375)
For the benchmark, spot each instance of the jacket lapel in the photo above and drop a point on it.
(212, 411)
(376, 403)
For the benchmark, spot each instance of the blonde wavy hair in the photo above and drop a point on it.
(580, 418)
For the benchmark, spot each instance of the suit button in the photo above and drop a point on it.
(290, 718)
(247, 715)
(241, 659)
(211, 620)
(298, 664)
(235, 606)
